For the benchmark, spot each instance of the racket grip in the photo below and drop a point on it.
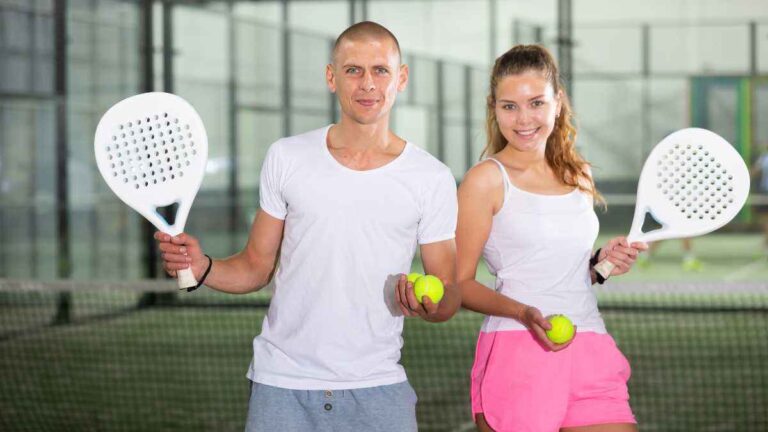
(605, 268)
(185, 278)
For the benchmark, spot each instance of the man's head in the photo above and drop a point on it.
(366, 72)
(365, 30)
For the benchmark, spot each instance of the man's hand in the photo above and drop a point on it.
(409, 305)
(180, 252)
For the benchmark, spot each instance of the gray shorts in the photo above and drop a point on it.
(389, 408)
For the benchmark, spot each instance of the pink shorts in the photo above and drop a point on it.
(521, 386)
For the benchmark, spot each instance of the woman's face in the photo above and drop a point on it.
(526, 108)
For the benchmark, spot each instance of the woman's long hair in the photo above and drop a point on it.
(560, 153)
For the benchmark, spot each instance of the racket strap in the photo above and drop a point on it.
(205, 275)
(592, 262)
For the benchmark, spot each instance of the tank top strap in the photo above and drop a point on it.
(505, 176)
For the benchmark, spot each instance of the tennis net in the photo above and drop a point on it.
(140, 356)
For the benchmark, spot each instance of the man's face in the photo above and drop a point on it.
(366, 76)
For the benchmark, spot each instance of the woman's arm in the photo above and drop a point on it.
(481, 195)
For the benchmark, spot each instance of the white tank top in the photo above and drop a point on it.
(539, 249)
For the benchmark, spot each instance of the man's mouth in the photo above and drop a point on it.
(367, 102)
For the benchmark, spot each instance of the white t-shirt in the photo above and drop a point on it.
(333, 322)
(539, 249)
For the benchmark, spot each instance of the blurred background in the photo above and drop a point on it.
(93, 338)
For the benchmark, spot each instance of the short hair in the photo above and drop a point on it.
(362, 30)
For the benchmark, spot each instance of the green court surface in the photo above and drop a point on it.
(723, 258)
(697, 342)
(183, 369)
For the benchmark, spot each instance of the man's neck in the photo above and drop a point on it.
(355, 137)
(363, 147)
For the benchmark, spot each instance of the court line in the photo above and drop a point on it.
(745, 270)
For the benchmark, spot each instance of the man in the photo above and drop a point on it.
(759, 172)
(345, 206)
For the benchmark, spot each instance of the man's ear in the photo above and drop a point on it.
(403, 81)
(330, 78)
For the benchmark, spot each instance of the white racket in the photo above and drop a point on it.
(152, 149)
(692, 183)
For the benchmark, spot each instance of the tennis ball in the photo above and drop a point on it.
(562, 329)
(413, 277)
(430, 286)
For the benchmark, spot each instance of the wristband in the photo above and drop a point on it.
(592, 261)
(205, 275)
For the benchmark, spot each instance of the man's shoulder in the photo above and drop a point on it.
(309, 138)
(312, 136)
(424, 160)
(427, 173)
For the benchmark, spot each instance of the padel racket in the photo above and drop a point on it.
(152, 149)
(692, 183)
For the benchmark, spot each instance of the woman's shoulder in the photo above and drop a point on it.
(486, 174)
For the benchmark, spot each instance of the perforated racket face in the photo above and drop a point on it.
(152, 149)
(693, 182)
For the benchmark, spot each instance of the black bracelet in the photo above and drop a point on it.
(205, 275)
(592, 262)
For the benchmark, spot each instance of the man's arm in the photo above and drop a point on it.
(439, 260)
(249, 270)
(252, 268)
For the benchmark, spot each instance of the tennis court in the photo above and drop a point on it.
(697, 350)
(93, 337)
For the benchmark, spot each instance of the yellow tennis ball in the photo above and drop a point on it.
(413, 277)
(430, 286)
(562, 329)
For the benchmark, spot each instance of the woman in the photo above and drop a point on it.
(528, 209)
